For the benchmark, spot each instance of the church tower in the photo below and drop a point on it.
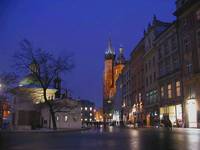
(57, 85)
(108, 80)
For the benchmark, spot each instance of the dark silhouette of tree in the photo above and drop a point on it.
(7, 82)
(45, 67)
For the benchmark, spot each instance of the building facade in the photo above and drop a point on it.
(87, 111)
(188, 26)
(137, 82)
(151, 104)
(169, 76)
(127, 116)
(67, 113)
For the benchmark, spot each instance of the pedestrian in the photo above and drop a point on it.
(169, 124)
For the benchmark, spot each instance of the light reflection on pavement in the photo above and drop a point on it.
(105, 139)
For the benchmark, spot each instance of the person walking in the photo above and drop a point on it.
(169, 124)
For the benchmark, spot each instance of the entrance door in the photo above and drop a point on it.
(192, 113)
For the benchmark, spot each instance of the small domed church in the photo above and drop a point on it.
(30, 111)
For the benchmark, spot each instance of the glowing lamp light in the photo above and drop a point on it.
(37, 102)
(134, 110)
(109, 102)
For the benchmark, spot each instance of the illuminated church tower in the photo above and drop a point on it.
(109, 71)
(112, 69)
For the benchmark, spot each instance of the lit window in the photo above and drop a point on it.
(90, 119)
(66, 118)
(57, 118)
(81, 108)
(169, 90)
(90, 108)
(178, 88)
(162, 91)
(85, 119)
(90, 114)
(85, 108)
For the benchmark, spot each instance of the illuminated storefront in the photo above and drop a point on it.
(174, 112)
(191, 108)
(116, 117)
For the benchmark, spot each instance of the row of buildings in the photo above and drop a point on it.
(161, 78)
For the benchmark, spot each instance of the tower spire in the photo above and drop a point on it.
(121, 58)
(110, 49)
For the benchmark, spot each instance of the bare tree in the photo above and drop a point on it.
(7, 82)
(44, 67)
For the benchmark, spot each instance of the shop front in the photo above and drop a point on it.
(191, 111)
(116, 117)
(174, 113)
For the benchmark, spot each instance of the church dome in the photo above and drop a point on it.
(29, 80)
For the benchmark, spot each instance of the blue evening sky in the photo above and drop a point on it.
(80, 27)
